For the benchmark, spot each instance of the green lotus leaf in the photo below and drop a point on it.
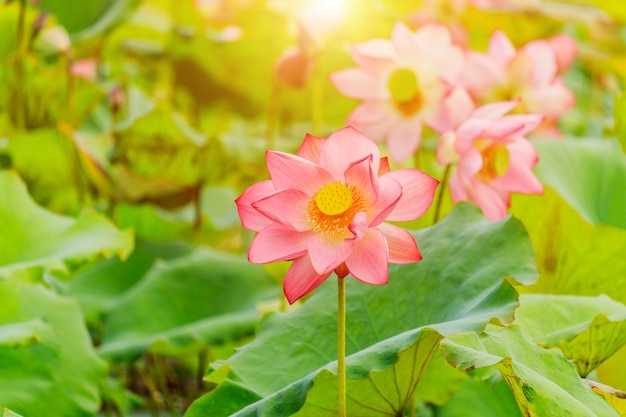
(574, 255)
(543, 381)
(34, 237)
(203, 298)
(393, 331)
(481, 399)
(99, 286)
(49, 366)
(589, 174)
(588, 330)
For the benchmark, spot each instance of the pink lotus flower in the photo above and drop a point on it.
(325, 207)
(494, 158)
(402, 83)
(529, 74)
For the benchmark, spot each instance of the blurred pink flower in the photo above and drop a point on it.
(529, 74)
(85, 68)
(293, 68)
(494, 157)
(403, 83)
(325, 207)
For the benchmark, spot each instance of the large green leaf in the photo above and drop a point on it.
(206, 297)
(48, 364)
(99, 286)
(589, 174)
(393, 330)
(588, 330)
(480, 399)
(85, 19)
(573, 256)
(34, 237)
(576, 258)
(543, 381)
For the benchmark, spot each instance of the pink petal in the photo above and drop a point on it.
(368, 260)
(436, 115)
(565, 49)
(301, 279)
(453, 65)
(277, 243)
(356, 83)
(468, 132)
(470, 163)
(377, 56)
(287, 207)
(446, 153)
(502, 128)
(343, 148)
(438, 57)
(544, 61)
(519, 177)
(520, 70)
(501, 50)
(494, 110)
(390, 193)
(310, 148)
(401, 244)
(404, 139)
(434, 37)
(489, 201)
(404, 41)
(529, 122)
(327, 254)
(374, 119)
(359, 226)
(481, 73)
(458, 107)
(457, 188)
(553, 100)
(524, 151)
(251, 218)
(290, 171)
(418, 192)
(362, 176)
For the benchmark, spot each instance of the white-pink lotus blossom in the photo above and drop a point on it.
(529, 74)
(402, 83)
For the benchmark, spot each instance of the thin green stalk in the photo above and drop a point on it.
(341, 347)
(19, 103)
(21, 23)
(442, 189)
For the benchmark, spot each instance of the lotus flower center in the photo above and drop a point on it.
(333, 199)
(404, 88)
(332, 209)
(495, 162)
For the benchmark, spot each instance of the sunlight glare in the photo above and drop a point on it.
(332, 12)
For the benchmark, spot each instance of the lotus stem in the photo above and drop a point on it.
(341, 347)
(442, 189)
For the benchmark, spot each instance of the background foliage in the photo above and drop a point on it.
(123, 273)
